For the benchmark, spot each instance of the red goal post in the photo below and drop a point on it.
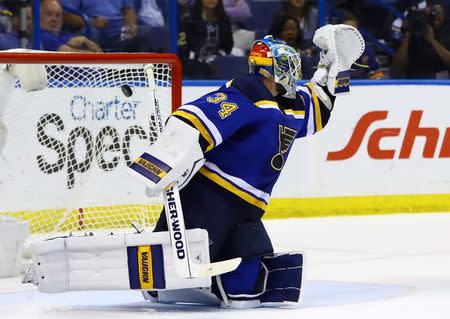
(63, 167)
(41, 57)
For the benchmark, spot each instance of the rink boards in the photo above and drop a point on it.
(386, 149)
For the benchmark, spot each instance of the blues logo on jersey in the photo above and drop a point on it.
(286, 136)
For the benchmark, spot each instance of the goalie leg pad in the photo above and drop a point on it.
(113, 262)
(285, 277)
(270, 278)
(146, 267)
(244, 280)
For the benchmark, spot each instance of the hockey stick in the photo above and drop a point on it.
(184, 266)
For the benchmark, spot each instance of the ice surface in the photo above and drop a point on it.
(395, 266)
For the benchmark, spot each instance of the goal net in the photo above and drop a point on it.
(63, 166)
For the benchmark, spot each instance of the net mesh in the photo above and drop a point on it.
(63, 167)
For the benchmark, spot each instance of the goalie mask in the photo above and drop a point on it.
(273, 58)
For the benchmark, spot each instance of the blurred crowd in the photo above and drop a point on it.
(405, 39)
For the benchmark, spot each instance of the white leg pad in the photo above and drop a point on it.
(114, 262)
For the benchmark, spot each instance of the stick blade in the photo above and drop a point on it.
(217, 268)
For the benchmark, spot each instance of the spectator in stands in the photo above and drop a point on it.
(286, 27)
(149, 13)
(12, 39)
(367, 66)
(53, 38)
(424, 52)
(372, 16)
(5, 19)
(114, 22)
(151, 30)
(183, 7)
(398, 25)
(205, 32)
(239, 13)
(237, 10)
(306, 14)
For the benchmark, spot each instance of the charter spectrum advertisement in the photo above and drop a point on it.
(66, 145)
(381, 140)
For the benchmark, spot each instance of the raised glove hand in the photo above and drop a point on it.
(342, 45)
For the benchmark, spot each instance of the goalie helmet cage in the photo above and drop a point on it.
(63, 167)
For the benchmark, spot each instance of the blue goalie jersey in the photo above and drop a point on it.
(246, 134)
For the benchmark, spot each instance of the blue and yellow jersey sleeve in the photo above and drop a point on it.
(216, 116)
(316, 113)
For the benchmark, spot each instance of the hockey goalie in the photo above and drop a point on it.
(225, 152)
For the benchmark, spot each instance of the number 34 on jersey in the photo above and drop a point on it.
(226, 108)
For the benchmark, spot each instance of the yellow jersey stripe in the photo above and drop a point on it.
(265, 102)
(295, 112)
(198, 125)
(233, 189)
(316, 107)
